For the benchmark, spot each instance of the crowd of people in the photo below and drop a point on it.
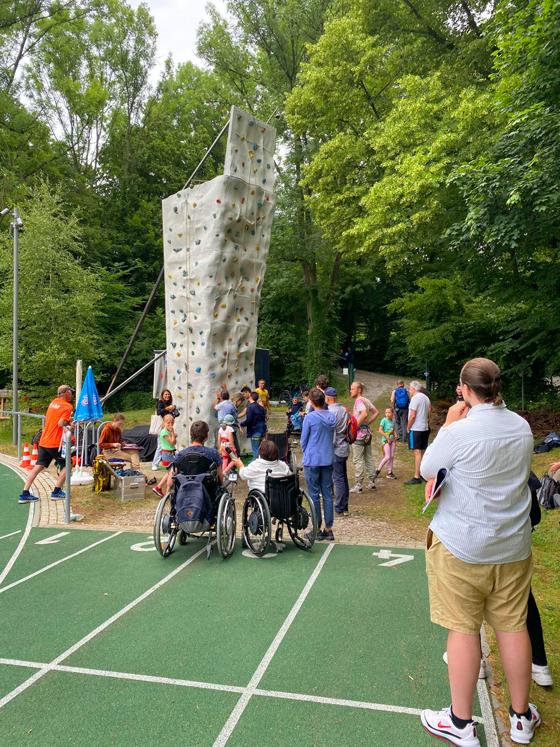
(478, 550)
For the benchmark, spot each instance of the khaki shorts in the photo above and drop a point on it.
(462, 595)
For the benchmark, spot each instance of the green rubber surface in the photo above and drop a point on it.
(13, 515)
(363, 633)
(212, 623)
(11, 677)
(44, 616)
(276, 723)
(361, 621)
(73, 709)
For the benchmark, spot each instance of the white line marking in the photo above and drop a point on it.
(99, 629)
(490, 729)
(198, 685)
(243, 701)
(387, 554)
(11, 534)
(150, 678)
(57, 562)
(21, 544)
(52, 539)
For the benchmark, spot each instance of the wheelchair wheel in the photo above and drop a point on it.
(303, 525)
(165, 528)
(256, 523)
(225, 525)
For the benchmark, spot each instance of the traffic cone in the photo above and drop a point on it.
(26, 459)
(34, 456)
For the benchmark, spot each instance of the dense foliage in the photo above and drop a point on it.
(418, 216)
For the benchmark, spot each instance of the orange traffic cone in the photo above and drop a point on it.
(34, 456)
(26, 459)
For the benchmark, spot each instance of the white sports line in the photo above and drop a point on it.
(99, 629)
(11, 534)
(246, 693)
(249, 691)
(54, 564)
(21, 544)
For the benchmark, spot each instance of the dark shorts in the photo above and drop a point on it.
(46, 456)
(418, 440)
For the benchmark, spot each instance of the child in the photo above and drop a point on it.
(225, 439)
(295, 418)
(388, 436)
(167, 440)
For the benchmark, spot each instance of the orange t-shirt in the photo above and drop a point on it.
(59, 409)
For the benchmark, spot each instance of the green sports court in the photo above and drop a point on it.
(104, 642)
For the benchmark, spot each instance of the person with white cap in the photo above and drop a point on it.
(57, 417)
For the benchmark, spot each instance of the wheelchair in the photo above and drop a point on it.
(168, 529)
(286, 503)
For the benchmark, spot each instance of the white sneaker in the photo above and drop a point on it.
(440, 724)
(155, 468)
(541, 675)
(482, 672)
(356, 489)
(523, 729)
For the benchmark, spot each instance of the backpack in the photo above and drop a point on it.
(402, 399)
(549, 492)
(351, 427)
(192, 503)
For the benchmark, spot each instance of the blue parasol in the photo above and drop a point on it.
(88, 406)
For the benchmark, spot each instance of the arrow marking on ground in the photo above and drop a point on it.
(53, 539)
(399, 558)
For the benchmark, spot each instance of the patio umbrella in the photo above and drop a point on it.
(88, 409)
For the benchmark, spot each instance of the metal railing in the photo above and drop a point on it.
(17, 415)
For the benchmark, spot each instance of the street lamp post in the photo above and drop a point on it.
(15, 225)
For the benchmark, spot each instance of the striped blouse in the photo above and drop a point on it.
(483, 511)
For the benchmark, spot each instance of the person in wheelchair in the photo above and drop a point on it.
(294, 414)
(268, 461)
(185, 461)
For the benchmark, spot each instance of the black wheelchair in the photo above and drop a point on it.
(167, 527)
(285, 504)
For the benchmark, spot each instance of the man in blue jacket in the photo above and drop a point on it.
(318, 455)
(255, 422)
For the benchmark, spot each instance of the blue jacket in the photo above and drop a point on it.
(255, 420)
(317, 438)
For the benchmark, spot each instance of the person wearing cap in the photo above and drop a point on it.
(57, 417)
(341, 451)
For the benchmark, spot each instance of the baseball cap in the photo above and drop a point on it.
(64, 388)
(330, 391)
(229, 420)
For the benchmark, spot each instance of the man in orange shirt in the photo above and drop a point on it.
(58, 415)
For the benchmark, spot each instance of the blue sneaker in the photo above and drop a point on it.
(58, 495)
(26, 497)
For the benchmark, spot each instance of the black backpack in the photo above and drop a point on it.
(549, 493)
(193, 503)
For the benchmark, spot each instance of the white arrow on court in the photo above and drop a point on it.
(53, 539)
(387, 554)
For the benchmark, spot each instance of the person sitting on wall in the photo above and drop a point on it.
(111, 442)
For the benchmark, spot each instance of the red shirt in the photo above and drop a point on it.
(59, 409)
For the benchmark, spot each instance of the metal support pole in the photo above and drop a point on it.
(68, 440)
(15, 228)
(206, 155)
(134, 375)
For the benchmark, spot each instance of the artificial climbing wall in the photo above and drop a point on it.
(216, 240)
